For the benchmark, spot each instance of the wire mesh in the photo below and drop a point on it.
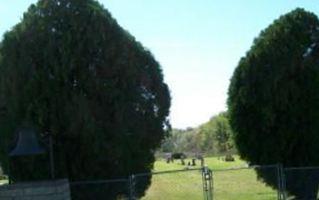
(301, 183)
(176, 185)
(117, 189)
(194, 184)
(243, 183)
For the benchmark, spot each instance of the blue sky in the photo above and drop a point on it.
(197, 42)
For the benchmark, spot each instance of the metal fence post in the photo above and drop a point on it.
(279, 179)
(132, 187)
(281, 182)
(207, 177)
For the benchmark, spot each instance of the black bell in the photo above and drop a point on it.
(27, 144)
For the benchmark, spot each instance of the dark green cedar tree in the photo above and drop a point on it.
(274, 101)
(70, 70)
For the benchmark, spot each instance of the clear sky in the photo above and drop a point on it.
(197, 42)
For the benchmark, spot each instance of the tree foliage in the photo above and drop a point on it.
(181, 140)
(70, 70)
(274, 96)
(212, 137)
(216, 134)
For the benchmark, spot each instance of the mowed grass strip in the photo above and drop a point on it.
(241, 185)
(237, 184)
(180, 185)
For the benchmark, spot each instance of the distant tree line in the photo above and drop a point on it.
(213, 137)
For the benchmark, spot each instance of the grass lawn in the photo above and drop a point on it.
(228, 185)
(3, 182)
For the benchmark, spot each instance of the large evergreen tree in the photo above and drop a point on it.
(70, 70)
(274, 99)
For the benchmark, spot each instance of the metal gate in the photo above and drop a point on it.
(189, 183)
(194, 184)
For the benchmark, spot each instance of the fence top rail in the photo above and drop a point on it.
(246, 167)
(302, 168)
(168, 171)
(99, 181)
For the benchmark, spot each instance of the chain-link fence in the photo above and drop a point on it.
(203, 184)
(301, 183)
(117, 189)
(244, 183)
(193, 184)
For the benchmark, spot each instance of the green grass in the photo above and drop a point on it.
(4, 181)
(239, 184)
